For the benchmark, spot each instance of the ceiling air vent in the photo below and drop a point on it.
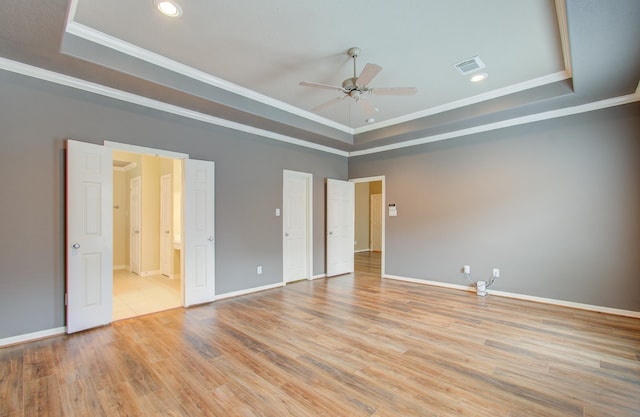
(469, 65)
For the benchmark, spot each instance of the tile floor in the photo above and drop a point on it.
(134, 295)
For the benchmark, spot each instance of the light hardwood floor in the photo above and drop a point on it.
(353, 345)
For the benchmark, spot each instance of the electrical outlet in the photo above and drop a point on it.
(496, 272)
(466, 269)
(259, 269)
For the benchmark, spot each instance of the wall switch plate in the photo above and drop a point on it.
(496, 272)
(466, 269)
(277, 212)
(259, 269)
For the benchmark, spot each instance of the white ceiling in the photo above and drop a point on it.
(267, 47)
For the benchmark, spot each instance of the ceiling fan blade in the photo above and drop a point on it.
(368, 73)
(394, 91)
(317, 85)
(369, 109)
(328, 103)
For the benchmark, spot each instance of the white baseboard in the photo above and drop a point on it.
(248, 291)
(30, 337)
(148, 273)
(562, 303)
(118, 267)
(362, 250)
(319, 276)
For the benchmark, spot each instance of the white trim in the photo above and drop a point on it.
(552, 114)
(543, 300)
(118, 267)
(383, 179)
(150, 273)
(563, 27)
(571, 304)
(61, 79)
(111, 42)
(143, 150)
(30, 337)
(362, 250)
(319, 276)
(511, 89)
(248, 291)
(428, 282)
(95, 36)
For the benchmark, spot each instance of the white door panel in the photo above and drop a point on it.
(199, 232)
(296, 222)
(166, 223)
(89, 236)
(340, 226)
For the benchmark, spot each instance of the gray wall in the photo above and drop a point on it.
(554, 204)
(35, 119)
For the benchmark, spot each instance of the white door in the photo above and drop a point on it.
(135, 224)
(340, 226)
(375, 223)
(89, 236)
(199, 222)
(296, 225)
(166, 223)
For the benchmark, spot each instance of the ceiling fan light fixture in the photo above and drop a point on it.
(168, 8)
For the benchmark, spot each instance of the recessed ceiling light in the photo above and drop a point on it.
(479, 77)
(168, 7)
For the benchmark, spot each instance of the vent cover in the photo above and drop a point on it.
(469, 65)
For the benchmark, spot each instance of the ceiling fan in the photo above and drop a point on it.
(357, 86)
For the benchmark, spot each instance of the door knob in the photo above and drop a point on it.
(330, 233)
(76, 246)
(166, 231)
(210, 238)
(286, 234)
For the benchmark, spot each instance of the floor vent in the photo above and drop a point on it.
(469, 65)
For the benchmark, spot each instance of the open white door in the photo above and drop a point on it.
(340, 226)
(199, 222)
(89, 236)
(296, 225)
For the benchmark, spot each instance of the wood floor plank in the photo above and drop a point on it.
(11, 381)
(353, 345)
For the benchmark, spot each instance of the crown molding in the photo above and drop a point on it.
(511, 89)
(111, 42)
(61, 79)
(552, 114)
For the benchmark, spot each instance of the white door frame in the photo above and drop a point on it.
(117, 146)
(384, 215)
(309, 217)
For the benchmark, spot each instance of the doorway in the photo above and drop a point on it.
(147, 226)
(89, 231)
(369, 225)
